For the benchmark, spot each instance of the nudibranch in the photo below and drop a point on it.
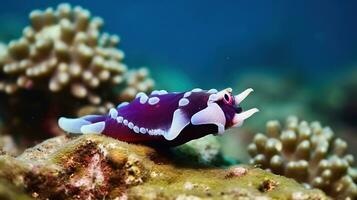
(166, 118)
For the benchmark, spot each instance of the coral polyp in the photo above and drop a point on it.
(309, 153)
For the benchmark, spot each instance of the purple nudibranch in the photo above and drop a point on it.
(166, 118)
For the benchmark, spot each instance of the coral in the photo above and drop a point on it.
(64, 64)
(136, 81)
(10, 192)
(65, 47)
(99, 167)
(7, 145)
(3, 52)
(309, 153)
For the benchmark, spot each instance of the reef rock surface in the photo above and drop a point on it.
(98, 167)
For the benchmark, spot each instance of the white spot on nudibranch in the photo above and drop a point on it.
(120, 119)
(162, 92)
(96, 128)
(212, 91)
(136, 129)
(122, 104)
(197, 90)
(139, 94)
(125, 122)
(143, 97)
(158, 92)
(159, 132)
(187, 94)
(183, 102)
(113, 113)
(155, 92)
(142, 130)
(155, 132)
(153, 100)
(130, 125)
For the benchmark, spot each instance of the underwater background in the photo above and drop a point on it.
(300, 57)
(311, 41)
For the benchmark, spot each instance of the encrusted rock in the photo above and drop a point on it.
(309, 153)
(98, 167)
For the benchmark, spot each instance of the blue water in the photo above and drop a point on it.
(221, 39)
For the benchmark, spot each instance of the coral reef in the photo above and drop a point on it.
(64, 64)
(97, 167)
(309, 153)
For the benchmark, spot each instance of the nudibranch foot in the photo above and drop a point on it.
(166, 118)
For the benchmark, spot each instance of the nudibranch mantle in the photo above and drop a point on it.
(166, 118)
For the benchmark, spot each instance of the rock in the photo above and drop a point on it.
(98, 167)
(11, 192)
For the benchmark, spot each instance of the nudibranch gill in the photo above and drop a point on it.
(166, 118)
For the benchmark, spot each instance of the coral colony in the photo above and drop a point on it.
(309, 153)
(175, 118)
(63, 65)
(66, 49)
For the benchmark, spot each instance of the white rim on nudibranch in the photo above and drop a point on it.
(196, 90)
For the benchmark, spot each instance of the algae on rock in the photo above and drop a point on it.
(9, 191)
(97, 167)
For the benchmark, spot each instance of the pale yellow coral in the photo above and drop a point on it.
(309, 153)
(66, 48)
(136, 81)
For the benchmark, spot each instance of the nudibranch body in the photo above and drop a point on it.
(166, 118)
